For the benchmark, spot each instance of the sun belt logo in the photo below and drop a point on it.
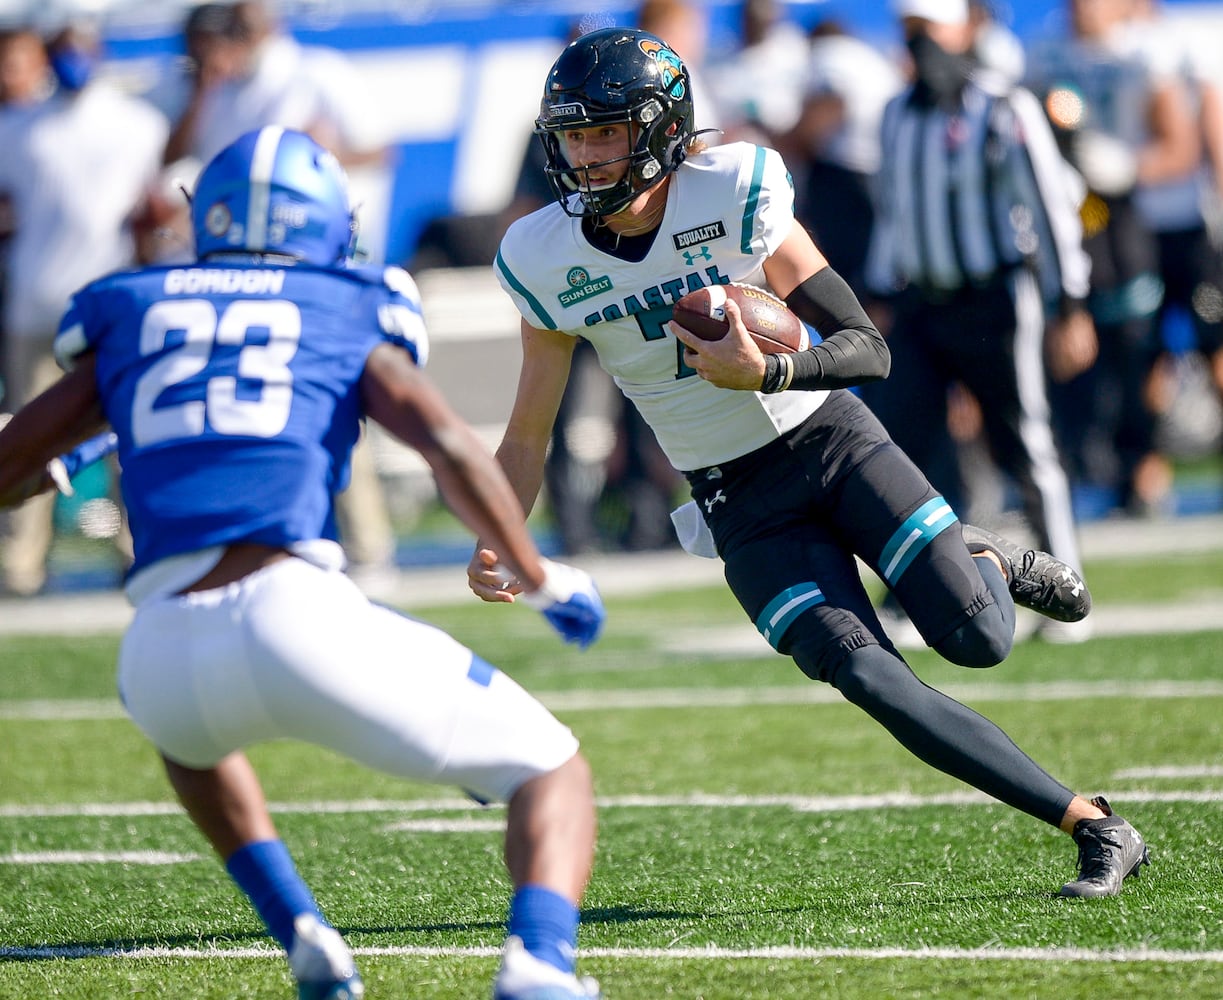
(582, 286)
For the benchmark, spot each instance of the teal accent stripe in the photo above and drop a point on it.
(753, 199)
(779, 614)
(546, 321)
(918, 531)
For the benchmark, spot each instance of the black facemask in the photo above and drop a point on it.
(940, 74)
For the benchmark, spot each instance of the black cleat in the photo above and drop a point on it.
(1036, 579)
(1110, 851)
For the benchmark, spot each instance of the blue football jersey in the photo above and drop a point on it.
(233, 389)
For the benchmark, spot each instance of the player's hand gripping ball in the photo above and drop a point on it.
(772, 325)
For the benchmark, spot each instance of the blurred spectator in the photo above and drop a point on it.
(1184, 213)
(161, 226)
(997, 50)
(249, 73)
(25, 74)
(994, 45)
(76, 167)
(976, 230)
(25, 79)
(210, 55)
(834, 146)
(1122, 120)
(684, 25)
(758, 88)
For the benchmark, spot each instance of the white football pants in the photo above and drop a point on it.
(295, 651)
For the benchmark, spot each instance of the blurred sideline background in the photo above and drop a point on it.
(453, 86)
(451, 90)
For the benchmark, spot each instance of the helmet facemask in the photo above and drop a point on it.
(609, 77)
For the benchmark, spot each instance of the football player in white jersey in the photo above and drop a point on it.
(791, 476)
(235, 388)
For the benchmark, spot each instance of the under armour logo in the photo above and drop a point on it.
(1069, 576)
(718, 497)
(691, 258)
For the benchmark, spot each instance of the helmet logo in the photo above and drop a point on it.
(670, 66)
(218, 219)
(567, 111)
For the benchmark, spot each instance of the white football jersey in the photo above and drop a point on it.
(728, 208)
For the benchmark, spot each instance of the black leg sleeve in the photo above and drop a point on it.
(947, 735)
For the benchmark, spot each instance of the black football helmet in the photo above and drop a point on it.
(610, 76)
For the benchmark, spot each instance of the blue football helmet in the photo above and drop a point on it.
(277, 191)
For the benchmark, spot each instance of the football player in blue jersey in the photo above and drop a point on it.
(235, 388)
(793, 480)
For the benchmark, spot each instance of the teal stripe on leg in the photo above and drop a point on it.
(779, 614)
(919, 530)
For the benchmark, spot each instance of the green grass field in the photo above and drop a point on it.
(758, 839)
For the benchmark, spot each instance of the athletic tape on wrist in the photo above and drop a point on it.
(787, 377)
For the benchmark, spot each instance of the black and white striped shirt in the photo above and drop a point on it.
(964, 197)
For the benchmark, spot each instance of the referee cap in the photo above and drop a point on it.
(939, 11)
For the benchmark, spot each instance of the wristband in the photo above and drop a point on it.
(787, 362)
(778, 373)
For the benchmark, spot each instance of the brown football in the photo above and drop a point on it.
(770, 321)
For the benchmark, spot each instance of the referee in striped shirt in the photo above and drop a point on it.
(976, 258)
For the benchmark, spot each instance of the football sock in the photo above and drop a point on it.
(547, 923)
(998, 586)
(266, 873)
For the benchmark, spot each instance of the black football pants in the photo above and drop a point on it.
(789, 520)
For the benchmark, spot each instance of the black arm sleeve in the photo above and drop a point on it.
(852, 351)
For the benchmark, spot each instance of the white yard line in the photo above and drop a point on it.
(710, 953)
(1182, 771)
(474, 825)
(99, 858)
(797, 803)
(822, 694)
(103, 709)
(61, 710)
